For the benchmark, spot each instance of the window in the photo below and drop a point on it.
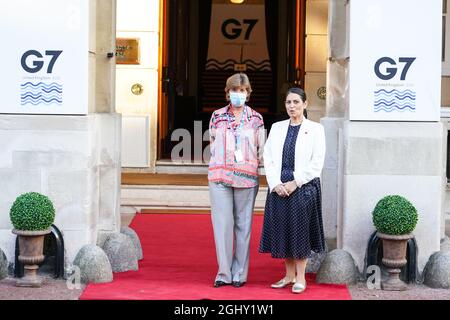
(446, 37)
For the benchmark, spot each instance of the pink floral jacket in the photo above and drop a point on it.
(226, 138)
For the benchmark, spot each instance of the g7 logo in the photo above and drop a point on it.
(38, 64)
(236, 32)
(391, 72)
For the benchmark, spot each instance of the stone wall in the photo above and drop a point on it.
(71, 159)
(336, 110)
(75, 160)
(383, 158)
(368, 160)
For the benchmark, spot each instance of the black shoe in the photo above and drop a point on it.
(219, 283)
(238, 284)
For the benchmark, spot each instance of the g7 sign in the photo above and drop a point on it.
(390, 73)
(237, 31)
(38, 64)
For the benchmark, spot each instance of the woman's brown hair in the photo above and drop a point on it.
(237, 80)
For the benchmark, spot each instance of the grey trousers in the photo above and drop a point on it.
(232, 216)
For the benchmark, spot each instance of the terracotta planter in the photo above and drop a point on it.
(394, 257)
(31, 244)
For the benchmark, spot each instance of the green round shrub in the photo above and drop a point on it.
(32, 211)
(394, 215)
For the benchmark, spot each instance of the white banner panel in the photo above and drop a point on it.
(238, 36)
(395, 60)
(44, 58)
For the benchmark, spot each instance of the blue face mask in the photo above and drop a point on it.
(238, 98)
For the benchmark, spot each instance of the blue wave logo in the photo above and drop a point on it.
(213, 64)
(395, 100)
(41, 93)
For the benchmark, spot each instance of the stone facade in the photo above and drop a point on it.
(74, 160)
(383, 158)
(368, 160)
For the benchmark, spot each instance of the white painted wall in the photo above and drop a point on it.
(139, 19)
(316, 56)
(135, 141)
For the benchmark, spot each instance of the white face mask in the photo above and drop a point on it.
(238, 98)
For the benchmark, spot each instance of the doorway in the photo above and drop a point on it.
(206, 41)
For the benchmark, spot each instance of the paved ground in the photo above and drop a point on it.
(58, 290)
(51, 290)
(414, 292)
(126, 219)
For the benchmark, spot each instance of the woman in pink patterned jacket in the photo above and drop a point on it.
(237, 137)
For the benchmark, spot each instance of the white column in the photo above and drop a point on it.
(373, 153)
(74, 159)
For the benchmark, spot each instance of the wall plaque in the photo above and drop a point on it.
(127, 51)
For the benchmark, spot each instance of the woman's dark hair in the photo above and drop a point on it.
(302, 95)
(298, 91)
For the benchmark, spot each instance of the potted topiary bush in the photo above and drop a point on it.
(394, 218)
(32, 215)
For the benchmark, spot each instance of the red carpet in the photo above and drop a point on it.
(180, 264)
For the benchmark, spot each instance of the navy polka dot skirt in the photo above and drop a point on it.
(292, 225)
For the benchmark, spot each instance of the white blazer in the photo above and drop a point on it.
(309, 152)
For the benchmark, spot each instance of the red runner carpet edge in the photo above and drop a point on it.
(180, 264)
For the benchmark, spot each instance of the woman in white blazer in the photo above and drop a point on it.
(293, 160)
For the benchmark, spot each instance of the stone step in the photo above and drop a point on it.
(173, 197)
(183, 179)
(173, 167)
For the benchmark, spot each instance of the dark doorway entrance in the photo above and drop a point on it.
(206, 41)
